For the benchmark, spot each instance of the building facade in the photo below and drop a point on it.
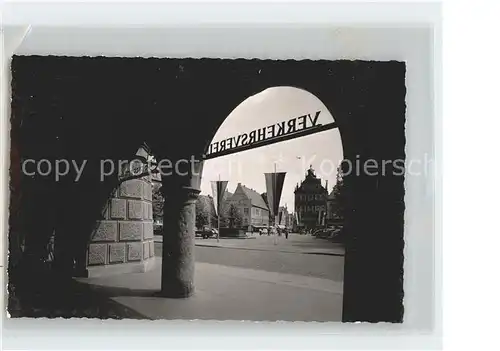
(332, 216)
(251, 206)
(310, 202)
(284, 216)
(291, 220)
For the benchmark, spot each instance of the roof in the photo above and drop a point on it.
(227, 195)
(255, 198)
(309, 179)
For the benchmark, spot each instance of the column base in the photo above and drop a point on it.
(176, 292)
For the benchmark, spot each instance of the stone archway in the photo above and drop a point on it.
(177, 105)
(181, 193)
(356, 93)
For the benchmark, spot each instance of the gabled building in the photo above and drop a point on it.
(310, 201)
(251, 206)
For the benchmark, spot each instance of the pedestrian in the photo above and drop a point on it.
(286, 234)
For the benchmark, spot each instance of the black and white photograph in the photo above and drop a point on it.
(181, 188)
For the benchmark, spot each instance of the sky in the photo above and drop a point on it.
(321, 150)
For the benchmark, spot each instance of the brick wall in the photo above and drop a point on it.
(125, 235)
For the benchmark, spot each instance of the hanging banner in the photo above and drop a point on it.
(321, 217)
(280, 217)
(218, 191)
(274, 187)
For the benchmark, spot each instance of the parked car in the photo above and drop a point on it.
(327, 233)
(332, 233)
(336, 234)
(206, 233)
(158, 228)
(322, 233)
(263, 231)
(317, 232)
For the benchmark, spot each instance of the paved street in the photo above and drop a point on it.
(300, 254)
(299, 279)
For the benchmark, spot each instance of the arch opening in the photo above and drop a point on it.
(268, 114)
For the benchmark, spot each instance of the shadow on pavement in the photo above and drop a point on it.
(113, 291)
(48, 296)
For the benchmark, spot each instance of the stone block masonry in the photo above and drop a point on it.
(124, 237)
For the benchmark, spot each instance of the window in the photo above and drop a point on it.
(246, 211)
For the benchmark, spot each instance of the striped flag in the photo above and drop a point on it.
(274, 187)
(218, 190)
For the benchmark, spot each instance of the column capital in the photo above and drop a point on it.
(185, 192)
(185, 185)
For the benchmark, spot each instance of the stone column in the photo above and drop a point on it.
(180, 193)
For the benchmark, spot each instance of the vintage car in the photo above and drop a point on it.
(206, 233)
(327, 233)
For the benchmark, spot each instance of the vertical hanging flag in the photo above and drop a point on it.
(218, 190)
(321, 217)
(274, 187)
